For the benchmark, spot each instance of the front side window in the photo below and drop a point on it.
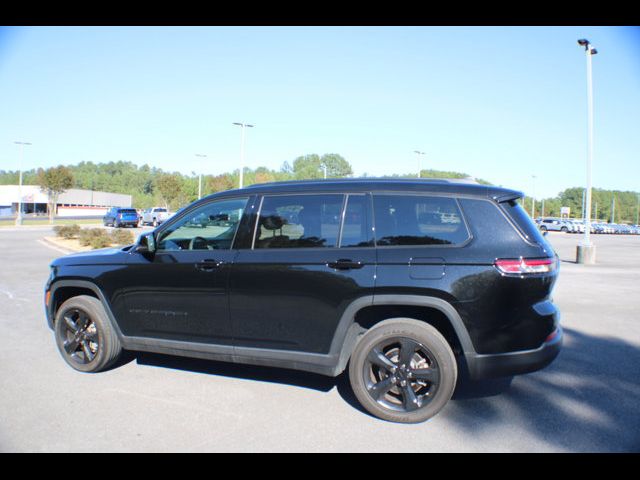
(299, 221)
(209, 227)
(418, 220)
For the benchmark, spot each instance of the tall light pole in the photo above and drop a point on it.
(586, 252)
(200, 177)
(243, 125)
(418, 153)
(19, 215)
(533, 196)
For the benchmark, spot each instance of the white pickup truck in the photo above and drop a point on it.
(155, 216)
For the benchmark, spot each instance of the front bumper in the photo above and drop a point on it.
(515, 363)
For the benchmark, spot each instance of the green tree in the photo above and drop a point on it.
(53, 182)
(170, 189)
(312, 166)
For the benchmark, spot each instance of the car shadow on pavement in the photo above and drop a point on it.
(284, 376)
(585, 401)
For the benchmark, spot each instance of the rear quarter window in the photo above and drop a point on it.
(524, 222)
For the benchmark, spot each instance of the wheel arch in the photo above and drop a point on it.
(62, 290)
(365, 313)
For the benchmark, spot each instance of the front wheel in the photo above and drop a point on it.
(403, 370)
(84, 336)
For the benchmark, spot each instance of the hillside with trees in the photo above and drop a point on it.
(151, 186)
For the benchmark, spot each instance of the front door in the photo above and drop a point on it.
(180, 293)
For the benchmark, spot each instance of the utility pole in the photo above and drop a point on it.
(19, 213)
(586, 251)
(200, 177)
(533, 197)
(418, 153)
(243, 125)
(613, 209)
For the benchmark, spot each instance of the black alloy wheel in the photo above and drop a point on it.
(401, 374)
(403, 370)
(84, 335)
(79, 335)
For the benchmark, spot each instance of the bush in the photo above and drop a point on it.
(122, 237)
(95, 237)
(67, 231)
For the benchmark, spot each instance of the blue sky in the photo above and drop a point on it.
(501, 103)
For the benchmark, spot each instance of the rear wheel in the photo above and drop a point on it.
(84, 336)
(403, 370)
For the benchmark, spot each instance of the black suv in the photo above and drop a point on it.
(405, 282)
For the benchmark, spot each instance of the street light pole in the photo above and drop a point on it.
(533, 197)
(418, 153)
(243, 125)
(200, 177)
(586, 252)
(19, 215)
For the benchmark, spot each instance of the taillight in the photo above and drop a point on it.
(525, 266)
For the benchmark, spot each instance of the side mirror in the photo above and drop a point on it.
(146, 243)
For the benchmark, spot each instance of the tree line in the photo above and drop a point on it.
(151, 186)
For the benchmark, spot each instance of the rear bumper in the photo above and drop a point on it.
(516, 363)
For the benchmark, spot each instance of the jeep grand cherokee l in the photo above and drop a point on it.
(401, 282)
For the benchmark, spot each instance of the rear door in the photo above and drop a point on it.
(311, 256)
(419, 238)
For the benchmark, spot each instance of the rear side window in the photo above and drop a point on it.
(299, 221)
(418, 220)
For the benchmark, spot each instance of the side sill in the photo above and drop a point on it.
(308, 362)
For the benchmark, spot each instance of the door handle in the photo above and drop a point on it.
(345, 264)
(207, 265)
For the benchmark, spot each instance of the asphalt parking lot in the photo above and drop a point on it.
(586, 401)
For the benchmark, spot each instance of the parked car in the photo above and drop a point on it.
(418, 282)
(554, 224)
(155, 216)
(121, 217)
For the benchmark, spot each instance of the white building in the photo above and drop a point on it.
(72, 203)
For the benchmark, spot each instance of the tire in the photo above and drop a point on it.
(564, 229)
(155, 223)
(84, 335)
(407, 395)
(543, 228)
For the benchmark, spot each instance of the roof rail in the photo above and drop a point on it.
(368, 179)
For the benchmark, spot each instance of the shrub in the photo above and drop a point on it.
(122, 237)
(67, 231)
(94, 237)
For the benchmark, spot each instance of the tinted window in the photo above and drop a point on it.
(417, 220)
(524, 222)
(209, 227)
(299, 221)
(356, 231)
